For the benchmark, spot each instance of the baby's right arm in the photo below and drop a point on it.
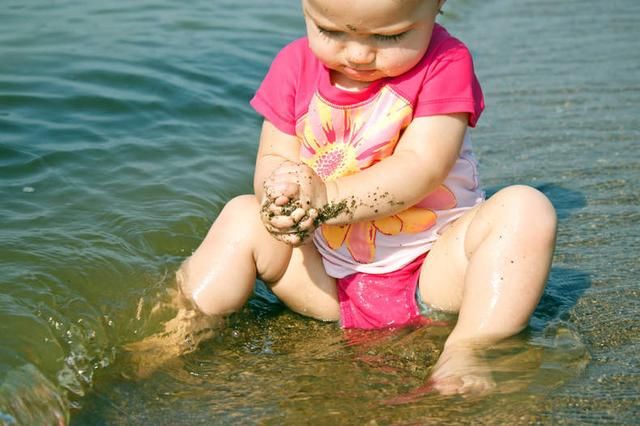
(276, 148)
(421, 161)
(279, 151)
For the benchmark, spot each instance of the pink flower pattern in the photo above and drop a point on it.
(340, 141)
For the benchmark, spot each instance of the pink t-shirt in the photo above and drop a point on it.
(343, 132)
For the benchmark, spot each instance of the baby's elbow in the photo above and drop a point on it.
(427, 174)
(430, 179)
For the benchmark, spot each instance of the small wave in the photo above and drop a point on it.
(27, 397)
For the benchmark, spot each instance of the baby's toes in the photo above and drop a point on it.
(476, 385)
(448, 385)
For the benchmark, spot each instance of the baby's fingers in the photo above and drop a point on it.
(291, 239)
(298, 214)
(275, 231)
(309, 221)
(276, 205)
(282, 222)
(274, 209)
(281, 200)
(275, 188)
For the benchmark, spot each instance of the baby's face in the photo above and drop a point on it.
(365, 40)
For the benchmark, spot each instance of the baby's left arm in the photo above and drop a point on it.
(421, 161)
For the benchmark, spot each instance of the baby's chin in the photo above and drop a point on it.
(354, 81)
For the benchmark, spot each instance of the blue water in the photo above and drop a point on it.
(125, 126)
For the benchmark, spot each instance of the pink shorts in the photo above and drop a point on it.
(378, 301)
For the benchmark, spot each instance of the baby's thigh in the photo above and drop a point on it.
(443, 273)
(306, 288)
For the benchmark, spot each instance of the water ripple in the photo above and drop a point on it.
(124, 127)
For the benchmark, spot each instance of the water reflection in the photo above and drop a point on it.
(324, 373)
(27, 397)
(125, 127)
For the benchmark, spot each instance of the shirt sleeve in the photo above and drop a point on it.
(450, 84)
(275, 99)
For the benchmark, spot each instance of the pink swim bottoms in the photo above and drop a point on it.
(378, 301)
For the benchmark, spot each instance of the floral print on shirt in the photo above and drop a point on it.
(339, 141)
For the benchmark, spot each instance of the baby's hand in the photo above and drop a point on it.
(288, 222)
(296, 181)
(288, 210)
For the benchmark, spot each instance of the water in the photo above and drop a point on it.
(125, 126)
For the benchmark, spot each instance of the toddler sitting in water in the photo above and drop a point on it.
(367, 208)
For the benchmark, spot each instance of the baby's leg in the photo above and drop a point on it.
(219, 276)
(491, 265)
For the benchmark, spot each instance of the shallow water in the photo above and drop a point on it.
(124, 128)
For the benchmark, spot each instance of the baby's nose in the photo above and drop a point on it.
(360, 53)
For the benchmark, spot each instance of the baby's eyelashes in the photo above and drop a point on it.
(338, 35)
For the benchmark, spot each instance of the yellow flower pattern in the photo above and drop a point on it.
(339, 141)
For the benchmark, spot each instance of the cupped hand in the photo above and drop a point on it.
(296, 181)
(288, 223)
(293, 196)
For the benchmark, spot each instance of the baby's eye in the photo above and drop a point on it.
(389, 37)
(329, 33)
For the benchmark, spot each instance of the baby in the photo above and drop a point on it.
(367, 208)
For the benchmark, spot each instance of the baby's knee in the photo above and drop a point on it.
(531, 209)
(241, 206)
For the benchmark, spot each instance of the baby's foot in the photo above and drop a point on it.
(460, 370)
(181, 335)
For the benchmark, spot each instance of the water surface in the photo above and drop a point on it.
(125, 126)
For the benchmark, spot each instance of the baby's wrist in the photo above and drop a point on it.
(332, 193)
(333, 209)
